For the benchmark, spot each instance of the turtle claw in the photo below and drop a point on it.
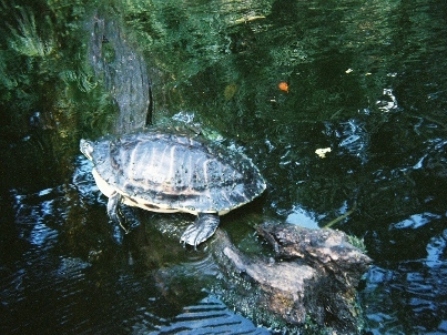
(202, 229)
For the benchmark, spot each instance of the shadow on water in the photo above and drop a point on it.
(366, 85)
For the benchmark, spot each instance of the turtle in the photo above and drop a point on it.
(173, 171)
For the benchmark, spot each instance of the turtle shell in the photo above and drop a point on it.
(171, 172)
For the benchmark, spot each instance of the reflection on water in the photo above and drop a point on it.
(45, 289)
(303, 218)
(210, 316)
(414, 290)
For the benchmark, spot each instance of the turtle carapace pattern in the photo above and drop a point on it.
(173, 172)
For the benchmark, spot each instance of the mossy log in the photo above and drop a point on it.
(312, 279)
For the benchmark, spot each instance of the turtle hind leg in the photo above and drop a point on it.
(202, 229)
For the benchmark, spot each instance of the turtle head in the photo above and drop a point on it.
(86, 148)
(98, 152)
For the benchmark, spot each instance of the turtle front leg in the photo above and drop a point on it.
(203, 228)
(113, 211)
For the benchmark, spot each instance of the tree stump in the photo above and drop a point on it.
(124, 72)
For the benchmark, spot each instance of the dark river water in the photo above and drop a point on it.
(364, 82)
